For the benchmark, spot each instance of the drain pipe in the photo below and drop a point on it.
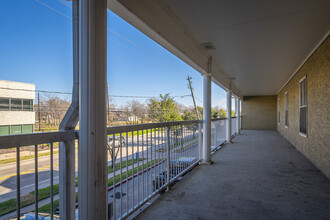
(69, 122)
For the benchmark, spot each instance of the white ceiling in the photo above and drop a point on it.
(261, 43)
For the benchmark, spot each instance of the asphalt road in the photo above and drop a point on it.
(139, 187)
(8, 171)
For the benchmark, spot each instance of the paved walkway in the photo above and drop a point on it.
(259, 176)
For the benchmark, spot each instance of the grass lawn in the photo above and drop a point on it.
(12, 160)
(118, 179)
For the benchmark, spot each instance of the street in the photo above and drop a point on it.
(189, 149)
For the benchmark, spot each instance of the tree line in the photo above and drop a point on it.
(51, 110)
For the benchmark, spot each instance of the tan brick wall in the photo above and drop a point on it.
(259, 112)
(316, 146)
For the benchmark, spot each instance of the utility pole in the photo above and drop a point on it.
(108, 103)
(39, 114)
(192, 95)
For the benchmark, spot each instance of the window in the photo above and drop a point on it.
(16, 129)
(286, 110)
(16, 104)
(26, 129)
(278, 112)
(303, 106)
(27, 105)
(4, 130)
(4, 104)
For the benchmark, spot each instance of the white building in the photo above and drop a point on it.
(16, 107)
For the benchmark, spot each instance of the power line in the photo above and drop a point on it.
(31, 90)
(144, 97)
(53, 9)
(116, 33)
(69, 93)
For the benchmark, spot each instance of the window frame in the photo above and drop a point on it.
(286, 110)
(278, 111)
(16, 107)
(30, 109)
(303, 106)
(8, 104)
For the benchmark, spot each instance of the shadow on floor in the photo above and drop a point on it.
(259, 176)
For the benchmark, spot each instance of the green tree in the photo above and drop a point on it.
(164, 109)
(200, 111)
(189, 115)
(214, 113)
(222, 113)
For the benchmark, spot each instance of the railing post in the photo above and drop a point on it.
(228, 130)
(168, 157)
(238, 115)
(67, 179)
(200, 140)
(216, 134)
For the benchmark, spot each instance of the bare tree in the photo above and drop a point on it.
(135, 111)
(53, 109)
(139, 110)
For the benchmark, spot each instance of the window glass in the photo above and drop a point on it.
(26, 129)
(4, 104)
(4, 130)
(286, 110)
(16, 104)
(279, 112)
(303, 122)
(16, 129)
(303, 107)
(27, 105)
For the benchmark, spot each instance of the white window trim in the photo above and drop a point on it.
(286, 107)
(279, 111)
(302, 106)
(302, 79)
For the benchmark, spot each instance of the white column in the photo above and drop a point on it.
(238, 115)
(207, 119)
(228, 128)
(92, 172)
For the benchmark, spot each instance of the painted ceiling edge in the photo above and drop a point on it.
(305, 60)
(201, 62)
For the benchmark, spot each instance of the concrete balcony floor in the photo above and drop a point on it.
(259, 176)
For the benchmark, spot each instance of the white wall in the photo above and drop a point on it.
(9, 93)
(17, 117)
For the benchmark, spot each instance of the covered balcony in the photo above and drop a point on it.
(259, 176)
(267, 160)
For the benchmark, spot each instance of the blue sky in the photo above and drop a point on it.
(36, 47)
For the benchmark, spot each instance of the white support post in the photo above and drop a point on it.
(228, 128)
(92, 174)
(207, 119)
(67, 180)
(238, 115)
